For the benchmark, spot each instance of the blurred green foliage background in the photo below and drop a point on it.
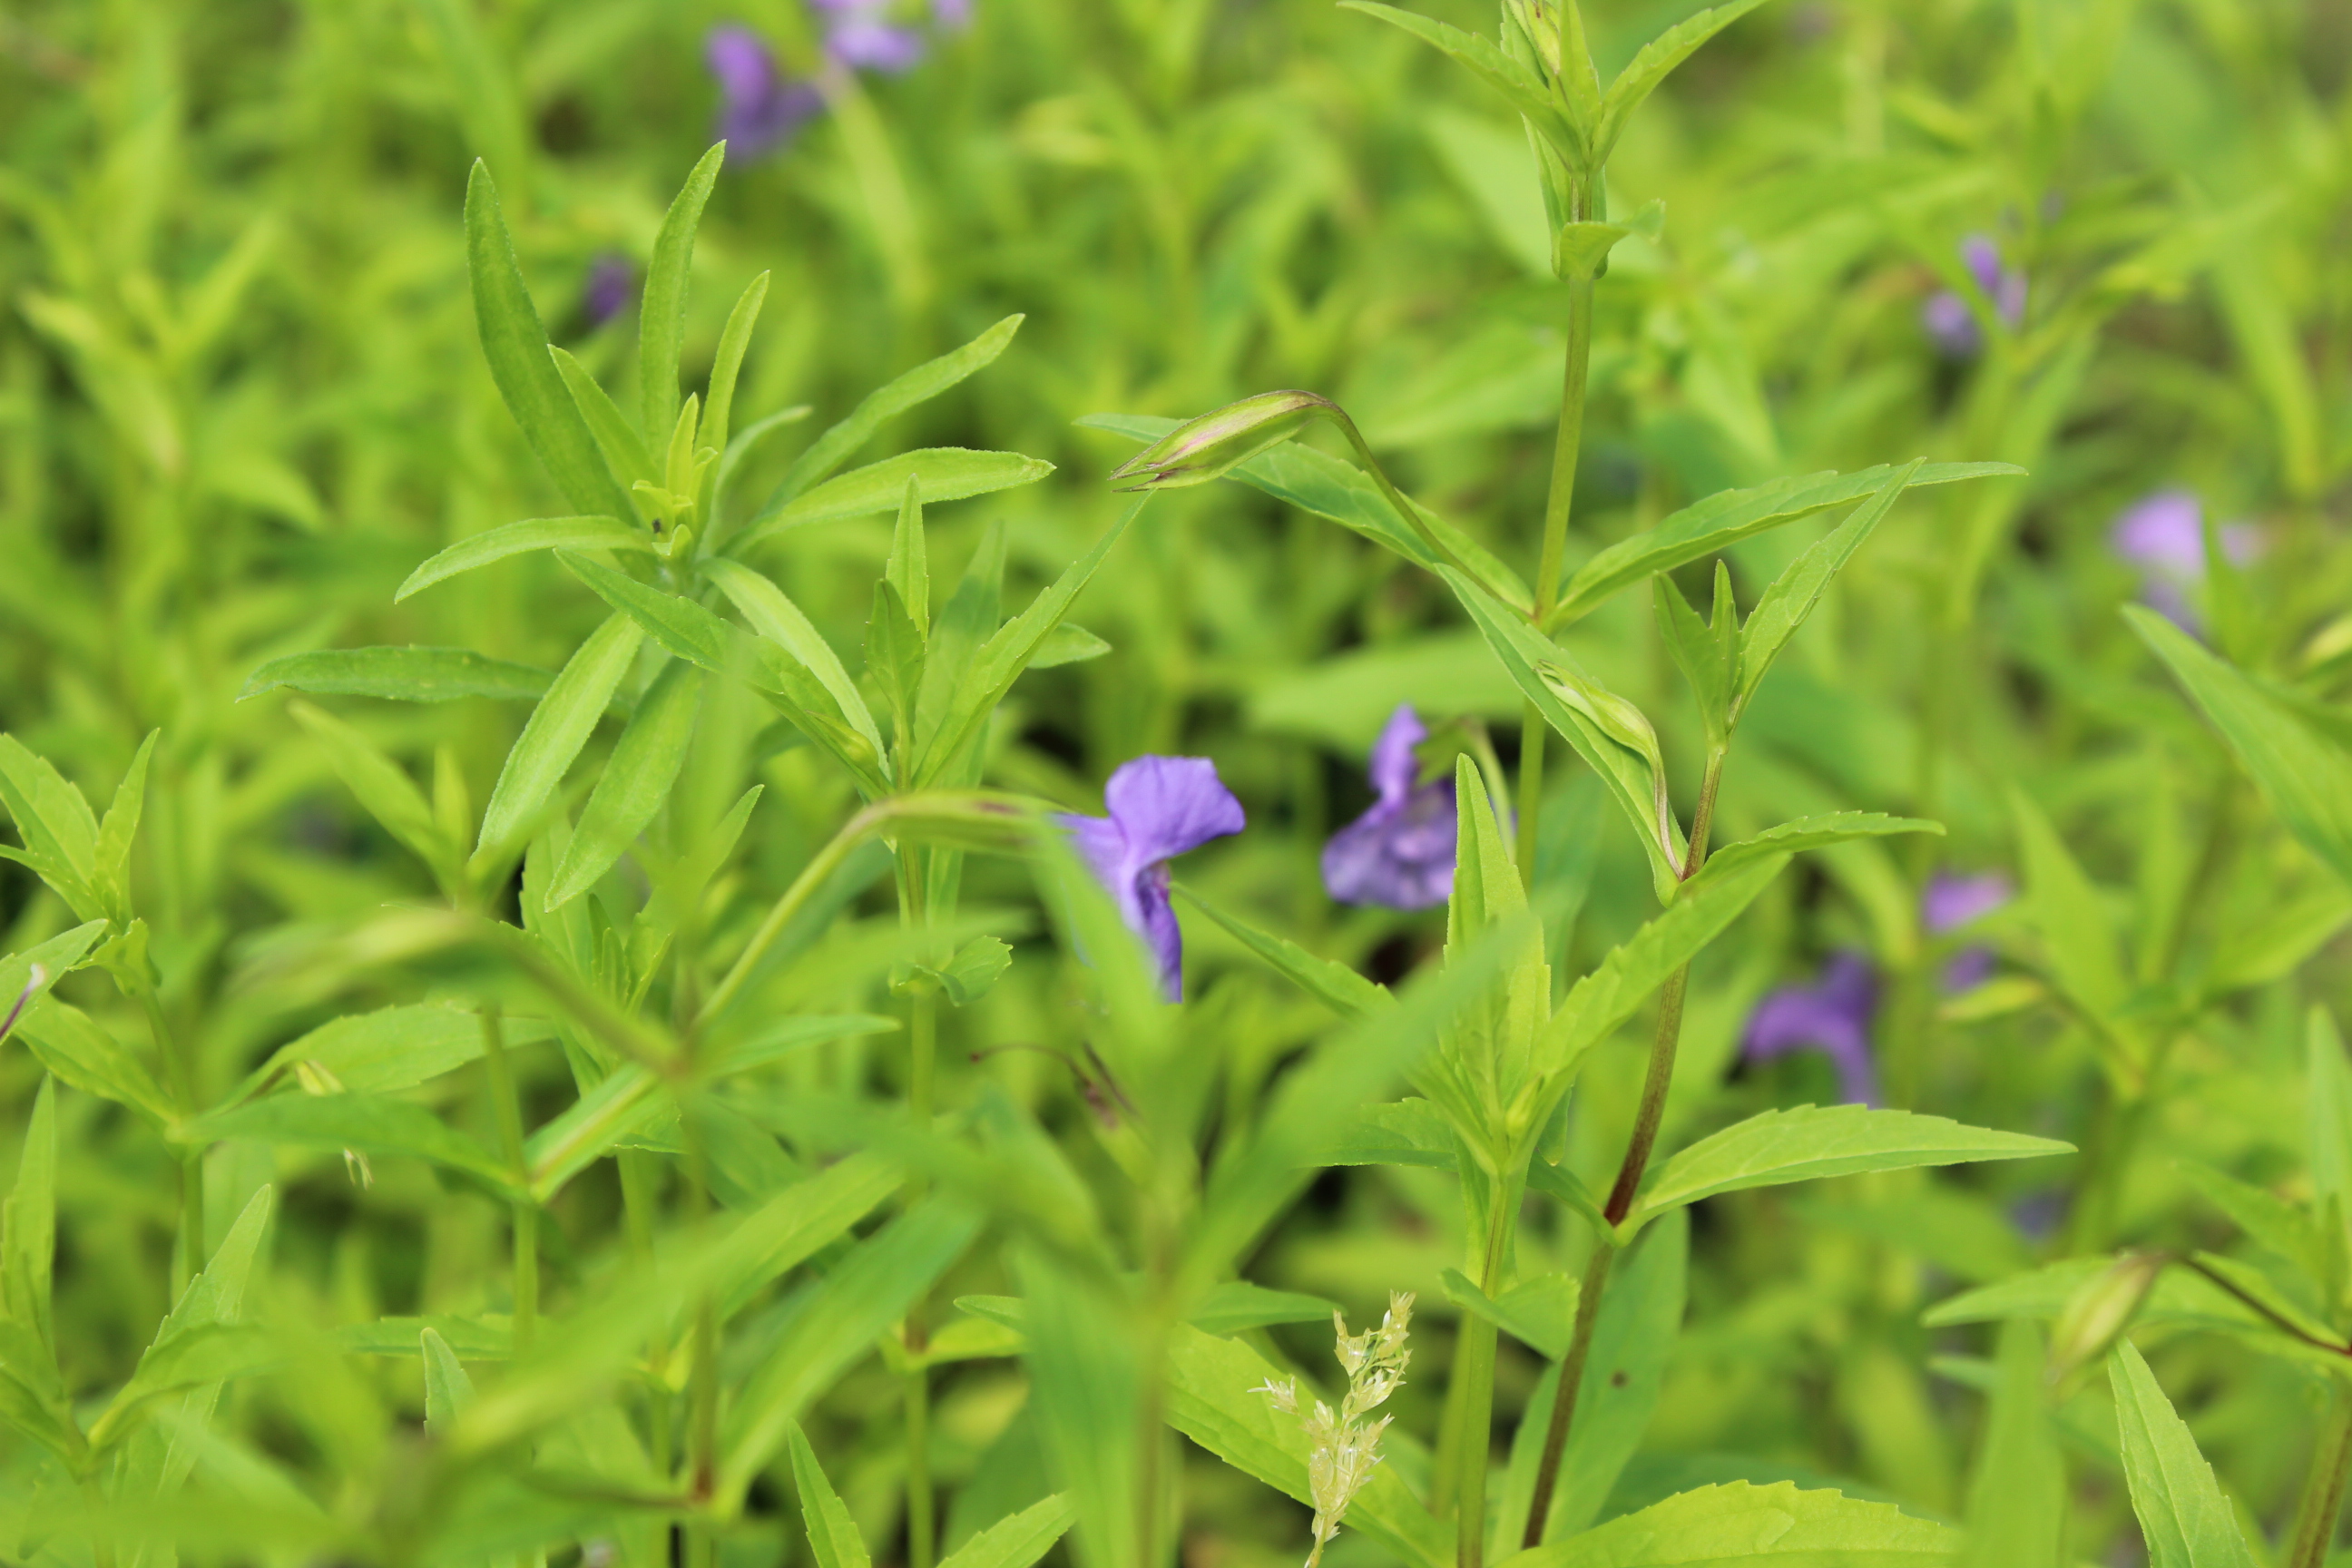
(241, 398)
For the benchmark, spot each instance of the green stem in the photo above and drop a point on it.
(804, 887)
(1655, 1083)
(180, 1072)
(2323, 1489)
(1567, 447)
(1533, 732)
(638, 1200)
(1475, 1366)
(922, 1054)
(702, 1377)
(507, 1104)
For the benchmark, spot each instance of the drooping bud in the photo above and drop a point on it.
(1216, 443)
(2100, 1310)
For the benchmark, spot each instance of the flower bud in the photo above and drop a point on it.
(2100, 1310)
(1222, 441)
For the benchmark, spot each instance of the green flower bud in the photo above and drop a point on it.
(2100, 1310)
(1222, 441)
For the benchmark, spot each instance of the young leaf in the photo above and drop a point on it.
(1334, 984)
(447, 1389)
(2306, 775)
(2017, 1500)
(945, 473)
(1019, 1541)
(1796, 591)
(120, 828)
(833, 1535)
(1657, 58)
(2084, 955)
(389, 1049)
(59, 835)
(893, 656)
(1540, 1313)
(515, 346)
(1806, 833)
(363, 1121)
(920, 384)
(516, 538)
(400, 675)
(1005, 655)
(661, 315)
(1691, 643)
(73, 1046)
(378, 782)
(1811, 1142)
(625, 452)
(778, 619)
(29, 1245)
(909, 571)
(1721, 519)
(1236, 1306)
(1518, 85)
(733, 339)
(2184, 1520)
(190, 1349)
(557, 728)
(635, 784)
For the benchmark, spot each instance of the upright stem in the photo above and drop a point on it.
(1533, 734)
(922, 1042)
(702, 1378)
(2323, 1489)
(1655, 1082)
(1476, 1371)
(639, 1197)
(180, 1070)
(508, 1107)
(1567, 445)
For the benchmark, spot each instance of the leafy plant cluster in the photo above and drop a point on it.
(600, 1020)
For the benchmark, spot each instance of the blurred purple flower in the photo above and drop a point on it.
(757, 109)
(1160, 808)
(1953, 902)
(2164, 537)
(1831, 1015)
(859, 36)
(953, 15)
(1399, 854)
(610, 284)
(1947, 316)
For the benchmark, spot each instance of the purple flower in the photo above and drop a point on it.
(758, 109)
(952, 15)
(1949, 318)
(611, 283)
(1160, 808)
(2164, 537)
(1951, 902)
(1832, 1016)
(1400, 852)
(859, 36)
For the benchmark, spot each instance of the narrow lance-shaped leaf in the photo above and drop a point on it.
(833, 1535)
(920, 384)
(380, 785)
(1343, 990)
(1017, 1541)
(447, 1389)
(1813, 1141)
(399, 675)
(2017, 1498)
(945, 473)
(2304, 773)
(2184, 1520)
(626, 455)
(515, 343)
(661, 314)
(1745, 1523)
(1797, 590)
(120, 828)
(1515, 82)
(555, 732)
(734, 339)
(1657, 58)
(59, 834)
(520, 538)
(775, 617)
(1805, 833)
(635, 784)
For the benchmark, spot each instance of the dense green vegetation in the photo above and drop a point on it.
(1759, 774)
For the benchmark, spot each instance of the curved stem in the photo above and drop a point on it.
(804, 887)
(508, 1105)
(1571, 1382)
(2323, 1489)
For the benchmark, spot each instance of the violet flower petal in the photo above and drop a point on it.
(1832, 1016)
(1399, 854)
(1393, 762)
(612, 282)
(1952, 901)
(863, 43)
(1160, 807)
(1951, 325)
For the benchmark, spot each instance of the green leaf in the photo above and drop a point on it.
(833, 1535)
(1715, 1526)
(1333, 984)
(471, 1339)
(894, 657)
(379, 785)
(2283, 1227)
(1691, 643)
(1724, 519)
(2305, 775)
(1518, 85)
(1812, 1143)
(1657, 58)
(973, 970)
(1608, 995)
(2184, 1520)
(1805, 833)
(496, 544)
(2017, 1500)
(389, 1049)
(191, 1349)
(661, 314)
(399, 675)
(777, 618)
(1020, 1541)
(1210, 1400)
(120, 829)
(909, 569)
(1792, 595)
(79, 1050)
(2328, 1083)
(555, 732)
(733, 339)
(1237, 1306)
(636, 782)
(515, 346)
(2084, 957)
(1538, 1312)
(365, 1122)
(864, 1295)
(945, 473)
(29, 1235)
(1543, 671)
(59, 834)
(624, 451)
(1002, 657)
(920, 384)
(1068, 643)
(447, 1389)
